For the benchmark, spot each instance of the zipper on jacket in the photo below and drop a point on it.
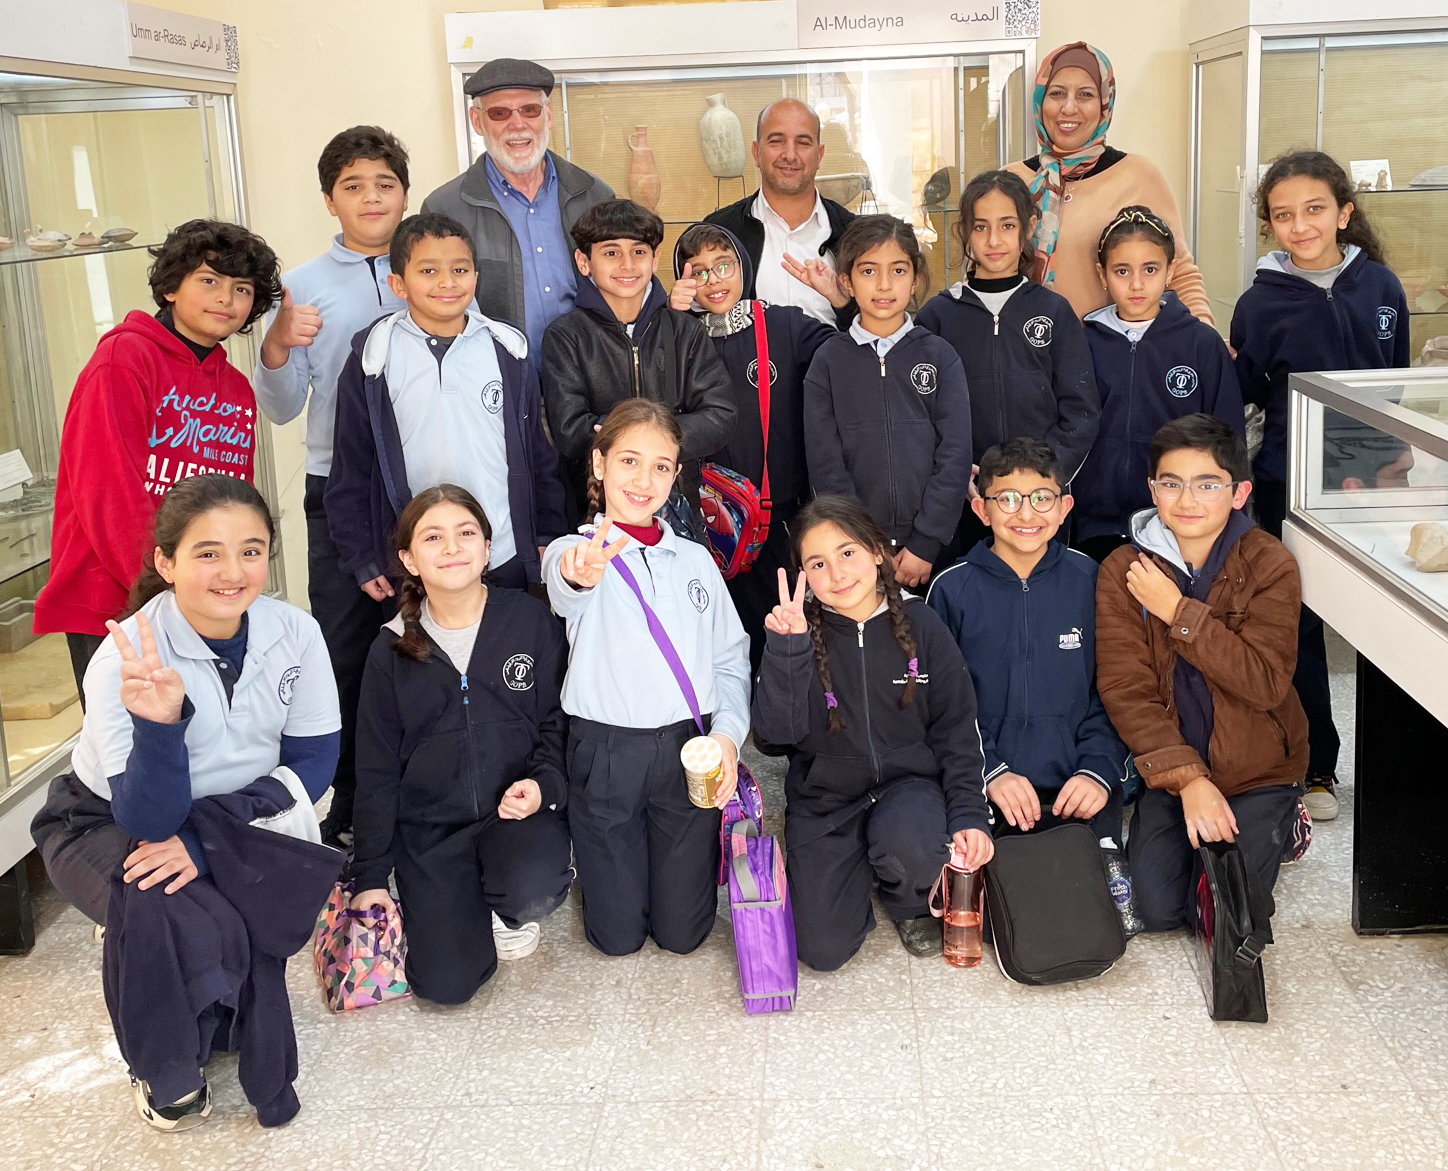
(637, 380)
(1131, 393)
(865, 692)
(1000, 385)
(996, 330)
(468, 736)
(889, 450)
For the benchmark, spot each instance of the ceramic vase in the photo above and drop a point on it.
(643, 172)
(721, 139)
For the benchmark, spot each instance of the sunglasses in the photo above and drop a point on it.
(503, 113)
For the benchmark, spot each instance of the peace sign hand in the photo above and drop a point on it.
(149, 689)
(788, 617)
(582, 565)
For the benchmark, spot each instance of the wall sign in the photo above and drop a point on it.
(828, 23)
(158, 35)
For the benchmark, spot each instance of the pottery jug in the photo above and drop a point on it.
(721, 139)
(643, 172)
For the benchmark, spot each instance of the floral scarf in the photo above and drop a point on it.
(1048, 188)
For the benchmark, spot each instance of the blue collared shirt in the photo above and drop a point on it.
(883, 345)
(550, 282)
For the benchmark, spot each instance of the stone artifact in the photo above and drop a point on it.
(1428, 547)
(721, 139)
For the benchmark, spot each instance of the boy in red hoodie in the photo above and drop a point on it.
(157, 402)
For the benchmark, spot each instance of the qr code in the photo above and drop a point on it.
(1023, 18)
(233, 46)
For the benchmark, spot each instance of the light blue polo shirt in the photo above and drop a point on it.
(286, 688)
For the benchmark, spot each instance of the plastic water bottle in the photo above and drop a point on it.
(962, 912)
(1118, 881)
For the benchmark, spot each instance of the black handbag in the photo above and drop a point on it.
(1233, 927)
(1051, 913)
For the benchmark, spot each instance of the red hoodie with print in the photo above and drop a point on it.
(144, 414)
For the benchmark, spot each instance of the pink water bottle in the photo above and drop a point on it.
(962, 912)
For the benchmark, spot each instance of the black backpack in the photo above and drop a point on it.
(1050, 907)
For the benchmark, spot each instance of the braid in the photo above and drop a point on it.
(595, 496)
(822, 661)
(900, 628)
(409, 605)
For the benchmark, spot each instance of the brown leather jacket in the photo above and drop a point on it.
(1243, 640)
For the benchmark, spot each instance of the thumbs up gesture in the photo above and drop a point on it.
(681, 296)
(294, 325)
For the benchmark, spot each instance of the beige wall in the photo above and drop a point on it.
(306, 73)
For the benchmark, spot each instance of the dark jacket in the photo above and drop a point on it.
(469, 199)
(1243, 641)
(1029, 370)
(1031, 649)
(590, 363)
(368, 487)
(935, 736)
(793, 336)
(1179, 366)
(438, 748)
(895, 432)
(739, 218)
(205, 968)
(1286, 325)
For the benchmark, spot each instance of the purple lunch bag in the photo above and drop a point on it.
(763, 921)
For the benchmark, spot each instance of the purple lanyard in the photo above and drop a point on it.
(661, 636)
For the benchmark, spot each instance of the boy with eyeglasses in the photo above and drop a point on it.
(712, 269)
(1198, 640)
(1023, 609)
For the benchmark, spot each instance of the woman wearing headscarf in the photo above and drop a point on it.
(1079, 183)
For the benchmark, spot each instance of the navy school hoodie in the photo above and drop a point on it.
(934, 736)
(1030, 646)
(1177, 367)
(435, 747)
(1028, 368)
(893, 431)
(793, 337)
(1286, 325)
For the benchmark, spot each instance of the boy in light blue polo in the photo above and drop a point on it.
(363, 172)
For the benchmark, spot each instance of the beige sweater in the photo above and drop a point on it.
(1094, 202)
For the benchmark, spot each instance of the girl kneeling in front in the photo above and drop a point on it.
(187, 828)
(460, 785)
(647, 858)
(870, 687)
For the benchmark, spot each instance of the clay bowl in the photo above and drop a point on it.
(118, 235)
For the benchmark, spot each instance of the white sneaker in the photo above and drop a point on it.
(515, 943)
(98, 933)
(192, 1110)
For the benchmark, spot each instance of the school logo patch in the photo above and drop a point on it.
(518, 673)
(924, 378)
(1070, 641)
(698, 595)
(1181, 381)
(1038, 331)
(287, 683)
(493, 397)
(753, 373)
(1387, 322)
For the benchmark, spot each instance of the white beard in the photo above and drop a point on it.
(508, 164)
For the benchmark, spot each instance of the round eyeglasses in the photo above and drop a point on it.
(1010, 501)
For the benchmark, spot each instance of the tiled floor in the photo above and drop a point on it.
(572, 1060)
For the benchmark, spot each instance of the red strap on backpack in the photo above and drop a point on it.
(761, 378)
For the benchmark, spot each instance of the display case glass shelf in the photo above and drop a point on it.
(1370, 477)
(1353, 92)
(93, 171)
(898, 134)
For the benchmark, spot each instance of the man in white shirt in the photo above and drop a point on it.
(788, 228)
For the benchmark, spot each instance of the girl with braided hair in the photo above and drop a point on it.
(866, 682)
(460, 784)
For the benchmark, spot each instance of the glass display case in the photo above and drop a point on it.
(93, 170)
(898, 135)
(1354, 91)
(1368, 524)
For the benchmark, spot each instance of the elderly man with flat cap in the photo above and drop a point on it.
(520, 200)
(788, 228)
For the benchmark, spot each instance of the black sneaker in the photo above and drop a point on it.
(190, 1111)
(922, 937)
(765, 748)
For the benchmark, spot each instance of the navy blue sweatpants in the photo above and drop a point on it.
(898, 839)
(648, 859)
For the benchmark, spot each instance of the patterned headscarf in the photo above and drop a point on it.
(1048, 188)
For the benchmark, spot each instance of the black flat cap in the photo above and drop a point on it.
(508, 73)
